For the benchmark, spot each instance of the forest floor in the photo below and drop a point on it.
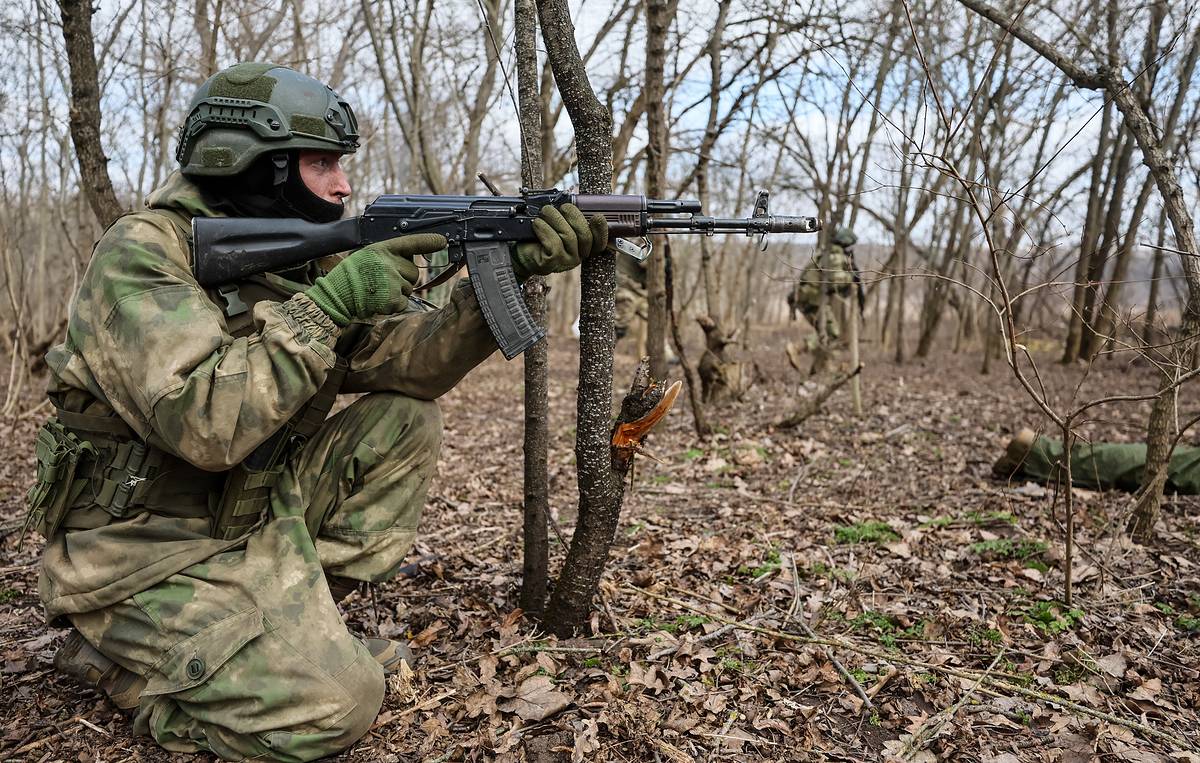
(757, 579)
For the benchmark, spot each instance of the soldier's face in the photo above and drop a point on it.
(322, 172)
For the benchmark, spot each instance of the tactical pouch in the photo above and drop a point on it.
(57, 488)
(248, 487)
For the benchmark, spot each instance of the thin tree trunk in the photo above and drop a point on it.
(85, 111)
(534, 568)
(600, 479)
(658, 19)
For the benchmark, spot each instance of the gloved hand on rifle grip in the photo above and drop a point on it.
(375, 280)
(565, 238)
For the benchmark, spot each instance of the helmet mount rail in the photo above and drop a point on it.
(264, 119)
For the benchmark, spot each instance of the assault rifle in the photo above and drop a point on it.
(479, 230)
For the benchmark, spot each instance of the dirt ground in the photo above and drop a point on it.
(757, 583)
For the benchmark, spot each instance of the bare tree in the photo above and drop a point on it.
(85, 110)
(1107, 77)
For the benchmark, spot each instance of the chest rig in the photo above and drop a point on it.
(93, 470)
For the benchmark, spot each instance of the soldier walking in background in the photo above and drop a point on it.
(837, 276)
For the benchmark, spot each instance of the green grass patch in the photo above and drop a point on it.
(8, 594)
(1008, 548)
(1051, 617)
(772, 564)
(1069, 674)
(1188, 623)
(885, 627)
(822, 570)
(977, 636)
(865, 532)
(692, 454)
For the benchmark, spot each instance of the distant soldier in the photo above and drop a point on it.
(631, 308)
(1095, 466)
(837, 278)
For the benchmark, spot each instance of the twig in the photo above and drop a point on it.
(933, 725)
(867, 704)
(92, 726)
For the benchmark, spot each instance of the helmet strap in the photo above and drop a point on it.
(279, 161)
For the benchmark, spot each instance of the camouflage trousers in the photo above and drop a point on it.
(1110, 466)
(246, 654)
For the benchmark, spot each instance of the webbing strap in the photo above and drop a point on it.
(248, 489)
(85, 422)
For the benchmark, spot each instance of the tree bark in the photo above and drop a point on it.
(600, 483)
(85, 111)
(535, 563)
(658, 19)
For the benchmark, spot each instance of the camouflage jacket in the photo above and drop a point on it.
(147, 343)
(836, 279)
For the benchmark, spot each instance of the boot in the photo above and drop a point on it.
(389, 653)
(1015, 454)
(79, 659)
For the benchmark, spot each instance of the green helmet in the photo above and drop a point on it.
(247, 110)
(844, 237)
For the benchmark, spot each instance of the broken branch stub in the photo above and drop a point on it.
(647, 403)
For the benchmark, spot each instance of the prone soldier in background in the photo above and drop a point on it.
(1094, 465)
(201, 592)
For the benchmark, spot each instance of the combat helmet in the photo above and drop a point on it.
(844, 236)
(249, 109)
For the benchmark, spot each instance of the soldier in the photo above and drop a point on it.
(837, 277)
(631, 308)
(1096, 466)
(200, 569)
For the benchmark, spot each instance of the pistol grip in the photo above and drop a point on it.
(499, 295)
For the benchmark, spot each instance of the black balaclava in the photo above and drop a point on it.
(272, 187)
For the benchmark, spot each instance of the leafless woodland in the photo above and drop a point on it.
(1022, 178)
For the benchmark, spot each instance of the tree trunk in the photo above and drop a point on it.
(85, 111)
(1087, 242)
(658, 19)
(600, 483)
(534, 567)
(1154, 475)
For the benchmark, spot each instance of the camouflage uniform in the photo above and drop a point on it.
(631, 307)
(837, 280)
(1102, 466)
(242, 646)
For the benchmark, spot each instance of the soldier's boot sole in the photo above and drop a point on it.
(1015, 454)
(83, 662)
(389, 653)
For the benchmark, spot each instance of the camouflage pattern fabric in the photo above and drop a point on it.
(245, 653)
(837, 280)
(630, 304)
(243, 646)
(1109, 466)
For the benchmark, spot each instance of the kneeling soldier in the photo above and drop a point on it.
(202, 513)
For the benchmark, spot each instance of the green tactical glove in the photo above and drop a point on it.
(565, 238)
(374, 280)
